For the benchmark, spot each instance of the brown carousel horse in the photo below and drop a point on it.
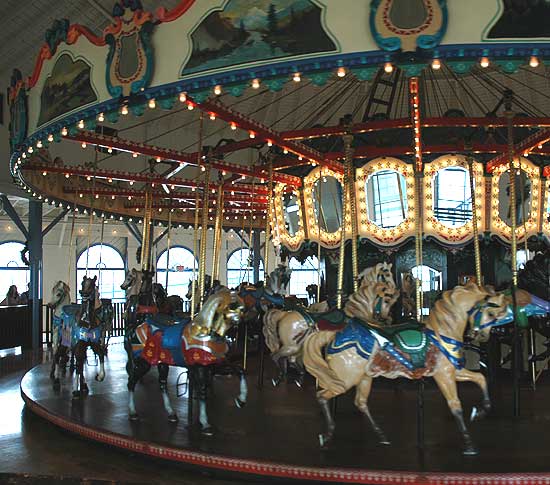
(285, 331)
(200, 346)
(361, 352)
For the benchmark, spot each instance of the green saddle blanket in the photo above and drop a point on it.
(409, 338)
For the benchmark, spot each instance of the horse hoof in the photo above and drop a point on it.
(470, 450)
(384, 441)
(240, 404)
(208, 431)
(324, 440)
(133, 417)
(275, 382)
(173, 418)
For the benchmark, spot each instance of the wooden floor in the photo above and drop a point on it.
(275, 434)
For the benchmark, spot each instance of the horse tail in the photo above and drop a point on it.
(316, 364)
(271, 329)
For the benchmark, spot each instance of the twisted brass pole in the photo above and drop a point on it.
(204, 231)
(477, 254)
(342, 253)
(513, 219)
(218, 233)
(348, 151)
(146, 231)
(268, 217)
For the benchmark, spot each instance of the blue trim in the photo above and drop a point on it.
(449, 347)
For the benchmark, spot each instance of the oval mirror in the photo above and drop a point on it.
(523, 197)
(327, 203)
(452, 196)
(291, 213)
(386, 198)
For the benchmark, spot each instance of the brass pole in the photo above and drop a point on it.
(196, 224)
(513, 220)
(218, 233)
(342, 254)
(418, 246)
(268, 217)
(204, 232)
(168, 241)
(477, 254)
(319, 200)
(348, 151)
(146, 231)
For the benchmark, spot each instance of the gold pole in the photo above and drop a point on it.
(204, 231)
(418, 246)
(342, 254)
(348, 151)
(146, 231)
(319, 200)
(217, 245)
(168, 241)
(196, 225)
(268, 218)
(477, 254)
(513, 221)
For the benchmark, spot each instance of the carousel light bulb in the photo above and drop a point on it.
(388, 68)
(81, 195)
(110, 180)
(484, 62)
(81, 124)
(131, 182)
(97, 196)
(224, 173)
(190, 106)
(109, 150)
(183, 97)
(124, 110)
(217, 90)
(135, 155)
(158, 159)
(534, 61)
(152, 103)
(269, 143)
(296, 77)
(113, 197)
(213, 116)
(30, 149)
(129, 197)
(24, 155)
(83, 145)
(255, 83)
(67, 175)
(101, 118)
(50, 137)
(341, 72)
(285, 151)
(64, 131)
(88, 178)
(44, 173)
(436, 64)
(203, 168)
(252, 134)
(233, 125)
(39, 144)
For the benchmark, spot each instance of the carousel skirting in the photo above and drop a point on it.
(275, 435)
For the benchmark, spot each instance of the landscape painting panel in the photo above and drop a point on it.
(67, 88)
(522, 19)
(247, 31)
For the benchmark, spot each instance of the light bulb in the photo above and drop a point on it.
(341, 72)
(190, 106)
(255, 83)
(64, 131)
(296, 77)
(388, 68)
(84, 144)
(81, 124)
(183, 97)
(436, 64)
(534, 61)
(50, 137)
(212, 116)
(233, 125)
(152, 103)
(135, 155)
(252, 134)
(484, 62)
(217, 90)
(101, 117)
(124, 110)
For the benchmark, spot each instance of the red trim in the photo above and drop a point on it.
(169, 15)
(147, 309)
(280, 470)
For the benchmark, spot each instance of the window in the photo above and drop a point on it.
(453, 200)
(303, 275)
(239, 268)
(387, 206)
(14, 270)
(431, 285)
(176, 264)
(107, 264)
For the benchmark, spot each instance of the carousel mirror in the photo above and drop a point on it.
(291, 213)
(327, 203)
(386, 199)
(452, 196)
(523, 197)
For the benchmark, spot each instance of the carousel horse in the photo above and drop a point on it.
(285, 331)
(200, 346)
(79, 327)
(195, 282)
(12, 297)
(360, 352)
(312, 293)
(408, 291)
(168, 305)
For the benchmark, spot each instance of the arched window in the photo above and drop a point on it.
(13, 270)
(303, 275)
(177, 264)
(239, 268)
(111, 276)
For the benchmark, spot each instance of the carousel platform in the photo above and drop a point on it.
(275, 435)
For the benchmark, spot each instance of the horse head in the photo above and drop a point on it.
(219, 312)
(159, 293)
(132, 282)
(60, 295)
(278, 280)
(88, 288)
(380, 272)
(372, 303)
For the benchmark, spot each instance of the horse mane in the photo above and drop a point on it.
(220, 299)
(535, 275)
(370, 275)
(443, 315)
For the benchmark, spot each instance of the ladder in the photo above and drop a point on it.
(382, 93)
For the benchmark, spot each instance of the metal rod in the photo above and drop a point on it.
(204, 232)
(348, 150)
(268, 216)
(342, 253)
(477, 254)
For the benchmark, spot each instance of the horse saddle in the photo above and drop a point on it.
(162, 320)
(334, 319)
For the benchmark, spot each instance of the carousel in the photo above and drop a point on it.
(402, 146)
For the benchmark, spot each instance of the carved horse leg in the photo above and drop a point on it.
(361, 397)
(140, 367)
(201, 378)
(80, 388)
(478, 378)
(445, 378)
(163, 381)
(99, 350)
